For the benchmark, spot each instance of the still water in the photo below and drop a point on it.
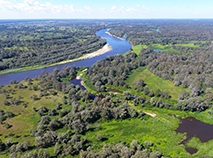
(195, 128)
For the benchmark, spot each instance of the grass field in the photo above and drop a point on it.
(137, 49)
(26, 119)
(166, 48)
(158, 46)
(154, 82)
(188, 45)
(158, 130)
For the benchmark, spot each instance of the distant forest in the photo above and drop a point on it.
(45, 42)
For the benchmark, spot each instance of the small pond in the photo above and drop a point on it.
(156, 50)
(78, 82)
(195, 128)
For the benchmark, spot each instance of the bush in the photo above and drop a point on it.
(7, 125)
(100, 137)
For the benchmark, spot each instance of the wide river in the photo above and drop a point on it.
(118, 47)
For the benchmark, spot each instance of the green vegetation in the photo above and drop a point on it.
(154, 82)
(137, 49)
(158, 130)
(142, 130)
(49, 115)
(25, 119)
(35, 43)
(158, 46)
(188, 45)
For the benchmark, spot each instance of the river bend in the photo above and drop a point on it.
(118, 47)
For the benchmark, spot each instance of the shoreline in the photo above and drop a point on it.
(106, 48)
(114, 36)
(101, 51)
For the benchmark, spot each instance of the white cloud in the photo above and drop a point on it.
(144, 7)
(32, 6)
(87, 7)
(131, 9)
(29, 2)
(114, 7)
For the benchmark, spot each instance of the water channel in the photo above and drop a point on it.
(118, 47)
(190, 125)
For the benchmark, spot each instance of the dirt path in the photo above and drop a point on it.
(150, 114)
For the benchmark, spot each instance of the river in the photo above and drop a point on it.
(118, 47)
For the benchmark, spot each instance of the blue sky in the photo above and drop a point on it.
(109, 9)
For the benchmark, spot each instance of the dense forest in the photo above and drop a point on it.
(126, 105)
(77, 113)
(175, 50)
(43, 43)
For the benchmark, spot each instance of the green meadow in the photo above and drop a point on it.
(154, 82)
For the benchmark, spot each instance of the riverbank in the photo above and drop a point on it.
(114, 36)
(101, 51)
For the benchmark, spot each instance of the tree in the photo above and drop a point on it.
(134, 145)
(126, 152)
(57, 149)
(209, 81)
(183, 95)
(100, 137)
(13, 155)
(26, 144)
(75, 139)
(209, 97)
(153, 101)
(127, 95)
(8, 142)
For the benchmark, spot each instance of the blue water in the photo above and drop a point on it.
(156, 50)
(77, 82)
(118, 47)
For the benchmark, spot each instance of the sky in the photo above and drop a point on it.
(108, 9)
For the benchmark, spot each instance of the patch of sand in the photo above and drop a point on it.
(114, 36)
(150, 114)
(101, 51)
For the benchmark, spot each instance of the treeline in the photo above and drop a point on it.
(79, 119)
(30, 44)
(165, 31)
(114, 70)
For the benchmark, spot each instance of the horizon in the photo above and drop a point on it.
(115, 19)
(113, 9)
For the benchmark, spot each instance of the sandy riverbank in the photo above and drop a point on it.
(114, 36)
(101, 51)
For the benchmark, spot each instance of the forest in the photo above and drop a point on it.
(44, 43)
(126, 105)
